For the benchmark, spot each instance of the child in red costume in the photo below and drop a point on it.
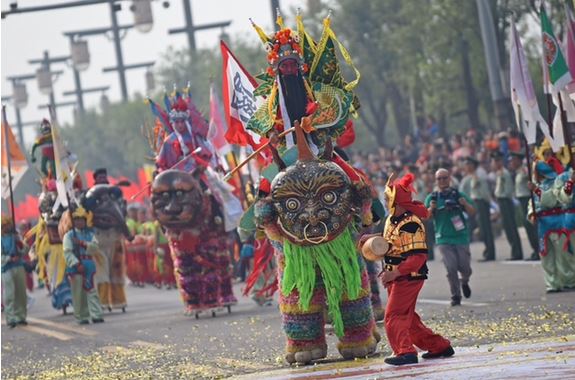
(405, 270)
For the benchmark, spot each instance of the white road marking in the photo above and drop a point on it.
(61, 326)
(50, 333)
(445, 302)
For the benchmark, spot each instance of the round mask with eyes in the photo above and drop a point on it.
(107, 205)
(313, 201)
(177, 199)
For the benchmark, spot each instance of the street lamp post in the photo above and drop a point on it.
(190, 28)
(118, 47)
(120, 67)
(44, 75)
(20, 100)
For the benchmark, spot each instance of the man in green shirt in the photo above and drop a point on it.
(504, 194)
(523, 195)
(447, 207)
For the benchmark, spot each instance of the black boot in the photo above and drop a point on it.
(443, 354)
(455, 301)
(402, 359)
(466, 290)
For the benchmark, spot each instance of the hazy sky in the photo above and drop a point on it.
(25, 36)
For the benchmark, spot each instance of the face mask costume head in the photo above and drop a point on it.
(177, 200)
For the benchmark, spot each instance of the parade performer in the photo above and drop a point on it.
(550, 217)
(194, 206)
(566, 195)
(303, 83)
(80, 249)
(48, 247)
(308, 215)
(13, 275)
(136, 265)
(44, 141)
(180, 131)
(405, 257)
(108, 207)
(163, 265)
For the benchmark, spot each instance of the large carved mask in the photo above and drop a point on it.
(311, 202)
(108, 207)
(177, 200)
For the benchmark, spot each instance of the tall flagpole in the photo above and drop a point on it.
(7, 147)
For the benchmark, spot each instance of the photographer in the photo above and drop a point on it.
(447, 207)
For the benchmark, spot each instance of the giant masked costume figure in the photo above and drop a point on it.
(308, 215)
(195, 207)
(308, 205)
(108, 207)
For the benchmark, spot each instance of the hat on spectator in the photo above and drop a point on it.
(496, 155)
(517, 154)
(471, 160)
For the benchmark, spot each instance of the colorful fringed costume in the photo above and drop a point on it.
(309, 214)
(194, 206)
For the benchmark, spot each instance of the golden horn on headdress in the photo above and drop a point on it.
(279, 19)
(303, 150)
(260, 32)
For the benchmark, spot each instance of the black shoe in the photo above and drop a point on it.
(402, 359)
(553, 291)
(534, 257)
(455, 301)
(12, 324)
(484, 260)
(23, 323)
(83, 322)
(443, 354)
(466, 290)
(98, 320)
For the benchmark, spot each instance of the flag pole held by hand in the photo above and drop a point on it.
(228, 176)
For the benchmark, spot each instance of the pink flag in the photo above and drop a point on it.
(239, 101)
(523, 97)
(217, 130)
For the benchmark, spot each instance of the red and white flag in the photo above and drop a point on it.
(217, 129)
(239, 101)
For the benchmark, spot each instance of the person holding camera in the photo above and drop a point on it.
(447, 207)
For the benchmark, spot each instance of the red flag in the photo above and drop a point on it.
(217, 130)
(239, 101)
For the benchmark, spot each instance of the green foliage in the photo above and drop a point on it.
(112, 139)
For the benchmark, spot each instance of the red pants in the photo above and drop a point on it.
(402, 324)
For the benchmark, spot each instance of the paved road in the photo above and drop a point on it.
(154, 340)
